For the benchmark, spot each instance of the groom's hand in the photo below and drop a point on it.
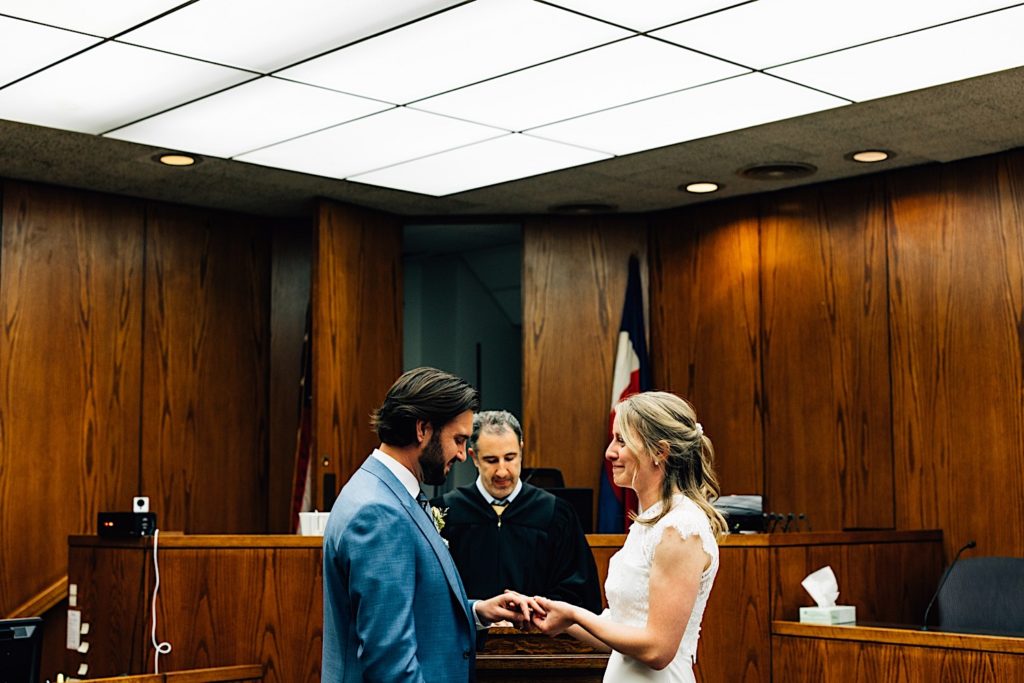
(509, 606)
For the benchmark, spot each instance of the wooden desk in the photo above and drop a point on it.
(837, 654)
(223, 600)
(230, 599)
(511, 656)
(888, 575)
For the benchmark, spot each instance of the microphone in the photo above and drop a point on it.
(942, 582)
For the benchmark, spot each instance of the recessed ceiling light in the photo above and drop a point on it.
(781, 170)
(176, 159)
(702, 187)
(870, 156)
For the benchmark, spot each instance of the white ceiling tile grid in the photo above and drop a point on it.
(573, 75)
(394, 136)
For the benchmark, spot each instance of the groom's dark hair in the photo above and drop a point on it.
(428, 394)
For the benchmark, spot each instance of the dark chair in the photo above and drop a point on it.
(582, 501)
(983, 595)
(20, 647)
(543, 477)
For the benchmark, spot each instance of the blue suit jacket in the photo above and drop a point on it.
(394, 606)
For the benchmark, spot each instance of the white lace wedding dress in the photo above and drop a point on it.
(627, 590)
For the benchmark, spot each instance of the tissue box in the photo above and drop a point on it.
(831, 616)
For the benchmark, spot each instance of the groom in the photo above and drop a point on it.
(394, 606)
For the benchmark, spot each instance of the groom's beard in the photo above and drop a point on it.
(432, 462)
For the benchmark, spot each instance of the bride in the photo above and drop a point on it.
(658, 584)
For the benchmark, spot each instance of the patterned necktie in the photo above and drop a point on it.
(424, 504)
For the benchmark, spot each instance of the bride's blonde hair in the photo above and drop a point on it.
(657, 421)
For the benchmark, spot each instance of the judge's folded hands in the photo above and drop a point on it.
(553, 616)
(510, 606)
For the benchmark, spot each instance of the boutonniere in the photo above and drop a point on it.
(438, 515)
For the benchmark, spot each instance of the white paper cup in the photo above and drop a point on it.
(313, 523)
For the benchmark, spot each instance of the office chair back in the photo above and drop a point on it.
(543, 477)
(983, 595)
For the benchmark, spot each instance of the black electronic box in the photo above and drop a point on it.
(126, 524)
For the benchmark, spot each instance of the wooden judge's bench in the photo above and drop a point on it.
(231, 600)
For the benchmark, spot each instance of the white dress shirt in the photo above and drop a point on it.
(491, 499)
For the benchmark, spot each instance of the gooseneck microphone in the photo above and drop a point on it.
(969, 544)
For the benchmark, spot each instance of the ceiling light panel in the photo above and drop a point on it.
(249, 116)
(919, 60)
(700, 112)
(464, 45)
(625, 71)
(106, 18)
(264, 35)
(773, 32)
(109, 86)
(495, 161)
(26, 47)
(644, 15)
(387, 138)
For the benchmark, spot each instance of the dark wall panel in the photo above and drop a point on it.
(292, 262)
(705, 329)
(206, 370)
(71, 305)
(574, 284)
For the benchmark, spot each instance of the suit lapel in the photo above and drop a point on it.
(425, 525)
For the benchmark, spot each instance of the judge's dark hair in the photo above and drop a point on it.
(426, 394)
(495, 422)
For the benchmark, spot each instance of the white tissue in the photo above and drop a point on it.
(822, 586)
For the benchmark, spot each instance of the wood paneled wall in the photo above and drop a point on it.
(134, 358)
(357, 332)
(70, 363)
(706, 326)
(827, 435)
(574, 284)
(205, 372)
(957, 306)
(888, 313)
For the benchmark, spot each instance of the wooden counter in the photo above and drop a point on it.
(835, 654)
(226, 600)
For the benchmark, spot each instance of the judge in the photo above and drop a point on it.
(506, 534)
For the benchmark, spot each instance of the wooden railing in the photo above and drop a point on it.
(247, 673)
(42, 603)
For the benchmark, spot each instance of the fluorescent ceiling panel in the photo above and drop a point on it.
(495, 161)
(390, 137)
(472, 42)
(644, 15)
(608, 76)
(772, 32)
(720, 107)
(919, 60)
(26, 47)
(264, 35)
(109, 86)
(105, 18)
(249, 116)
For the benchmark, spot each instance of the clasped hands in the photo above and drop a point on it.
(528, 613)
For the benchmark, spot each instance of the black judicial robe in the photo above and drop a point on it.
(536, 546)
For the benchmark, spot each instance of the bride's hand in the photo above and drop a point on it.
(558, 616)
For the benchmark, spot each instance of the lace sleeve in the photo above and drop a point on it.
(688, 520)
